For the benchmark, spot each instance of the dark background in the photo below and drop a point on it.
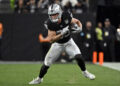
(21, 31)
(20, 36)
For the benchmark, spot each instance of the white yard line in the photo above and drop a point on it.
(115, 66)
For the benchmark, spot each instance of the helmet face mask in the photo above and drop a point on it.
(54, 17)
(54, 12)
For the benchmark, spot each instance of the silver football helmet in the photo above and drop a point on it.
(53, 10)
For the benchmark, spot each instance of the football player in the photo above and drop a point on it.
(59, 26)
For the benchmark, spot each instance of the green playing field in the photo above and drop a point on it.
(58, 75)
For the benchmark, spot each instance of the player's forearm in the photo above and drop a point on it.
(55, 38)
(50, 38)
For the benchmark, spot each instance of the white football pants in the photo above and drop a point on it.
(56, 49)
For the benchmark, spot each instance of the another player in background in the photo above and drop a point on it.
(109, 40)
(59, 34)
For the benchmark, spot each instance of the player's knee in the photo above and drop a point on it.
(48, 63)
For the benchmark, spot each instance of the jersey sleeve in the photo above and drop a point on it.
(48, 25)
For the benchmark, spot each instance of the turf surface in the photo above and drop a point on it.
(58, 75)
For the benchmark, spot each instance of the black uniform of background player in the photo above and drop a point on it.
(110, 41)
